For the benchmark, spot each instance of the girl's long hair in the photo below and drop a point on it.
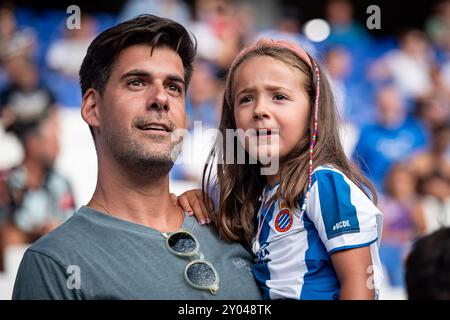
(236, 188)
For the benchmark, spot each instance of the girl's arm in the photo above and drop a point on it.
(193, 203)
(355, 273)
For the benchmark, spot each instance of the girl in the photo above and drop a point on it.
(316, 230)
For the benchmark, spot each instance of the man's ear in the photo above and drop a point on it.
(89, 108)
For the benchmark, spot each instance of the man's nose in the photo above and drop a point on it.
(159, 99)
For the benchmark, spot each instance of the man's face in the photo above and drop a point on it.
(390, 107)
(142, 104)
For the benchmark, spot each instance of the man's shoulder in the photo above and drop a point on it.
(211, 239)
(64, 239)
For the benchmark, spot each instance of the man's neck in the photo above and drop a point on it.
(136, 197)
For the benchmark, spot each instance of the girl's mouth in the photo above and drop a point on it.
(266, 132)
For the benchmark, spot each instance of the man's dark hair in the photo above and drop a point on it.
(427, 267)
(145, 29)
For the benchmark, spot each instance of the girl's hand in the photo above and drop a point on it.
(192, 202)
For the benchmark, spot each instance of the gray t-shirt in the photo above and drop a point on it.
(96, 256)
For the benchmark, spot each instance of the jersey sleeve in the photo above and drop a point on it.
(343, 215)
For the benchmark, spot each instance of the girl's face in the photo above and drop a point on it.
(270, 100)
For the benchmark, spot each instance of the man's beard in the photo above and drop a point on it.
(150, 160)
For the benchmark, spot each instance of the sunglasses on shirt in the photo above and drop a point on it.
(199, 273)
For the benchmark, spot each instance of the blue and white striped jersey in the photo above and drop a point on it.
(294, 259)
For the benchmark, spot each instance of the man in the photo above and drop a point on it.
(392, 138)
(122, 245)
(26, 94)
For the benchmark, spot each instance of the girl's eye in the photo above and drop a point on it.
(279, 97)
(245, 99)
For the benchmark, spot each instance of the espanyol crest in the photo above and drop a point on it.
(283, 221)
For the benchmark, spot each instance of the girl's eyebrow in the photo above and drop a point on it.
(275, 88)
(246, 90)
(267, 87)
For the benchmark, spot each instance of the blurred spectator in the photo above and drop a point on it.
(209, 46)
(438, 95)
(399, 205)
(221, 28)
(446, 69)
(427, 266)
(34, 199)
(435, 202)
(435, 158)
(432, 167)
(24, 93)
(175, 10)
(289, 28)
(440, 88)
(203, 96)
(344, 29)
(246, 19)
(346, 32)
(434, 108)
(393, 138)
(220, 32)
(14, 41)
(409, 66)
(66, 55)
(438, 24)
(202, 107)
(433, 112)
(338, 67)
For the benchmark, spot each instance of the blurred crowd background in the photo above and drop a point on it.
(392, 89)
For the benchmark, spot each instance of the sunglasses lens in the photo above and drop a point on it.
(182, 242)
(201, 274)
